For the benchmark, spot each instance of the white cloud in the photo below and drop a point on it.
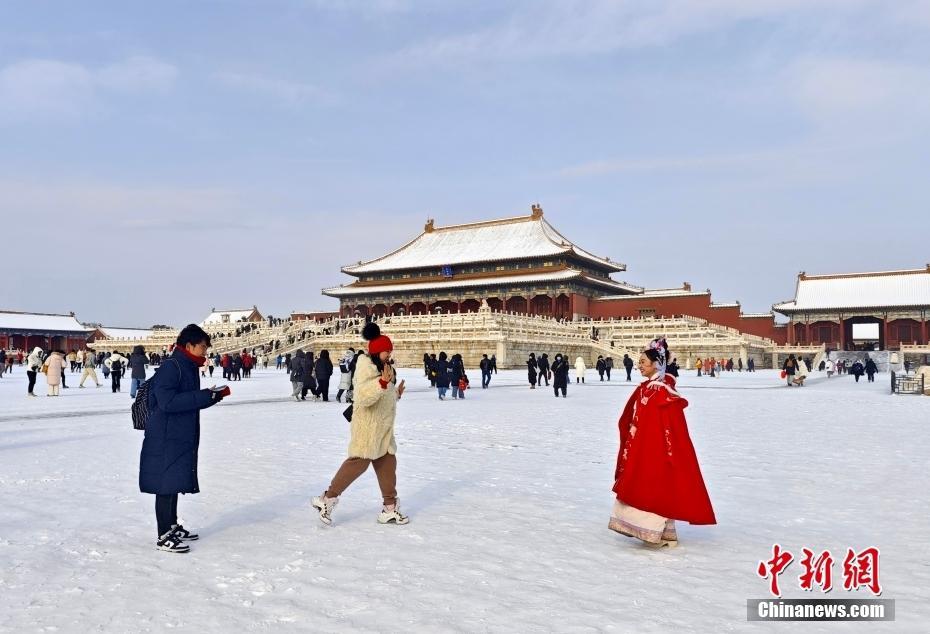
(49, 87)
(831, 90)
(285, 92)
(583, 27)
(45, 87)
(137, 75)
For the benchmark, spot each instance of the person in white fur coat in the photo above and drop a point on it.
(580, 368)
(375, 394)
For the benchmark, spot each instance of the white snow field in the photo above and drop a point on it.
(509, 497)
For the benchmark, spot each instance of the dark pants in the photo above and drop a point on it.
(557, 388)
(322, 389)
(166, 512)
(32, 379)
(544, 376)
(601, 373)
(485, 379)
(607, 372)
(211, 370)
(630, 370)
(871, 378)
(63, 379)
(114, 380)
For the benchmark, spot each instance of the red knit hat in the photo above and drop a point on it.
(377, 343)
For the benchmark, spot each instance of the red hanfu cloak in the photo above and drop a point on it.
(657, 469)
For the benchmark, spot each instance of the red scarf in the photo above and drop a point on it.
(198, 361)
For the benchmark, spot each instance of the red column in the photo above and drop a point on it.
(923, 331)
(552, 302)
(807, 333)
(885, 330)
(842, 334)
(790, 333)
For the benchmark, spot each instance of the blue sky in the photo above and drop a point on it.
(157, 159)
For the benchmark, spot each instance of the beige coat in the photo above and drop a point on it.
(373, 411)
(55, 364)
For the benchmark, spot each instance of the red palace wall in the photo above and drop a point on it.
(693, 305)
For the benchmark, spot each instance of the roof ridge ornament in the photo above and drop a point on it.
(429, 227)
(537, 211)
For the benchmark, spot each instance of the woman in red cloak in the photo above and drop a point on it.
(657, 480)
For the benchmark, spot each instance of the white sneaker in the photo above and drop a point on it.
(392, 515)
(325, 506)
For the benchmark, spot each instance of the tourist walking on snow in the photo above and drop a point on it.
(323, 368)
(34, 364)
(657, 479)
(580, 368)
(456, 371)
(531, 370)
(560, 375)
(857, 369)
(116, 363)
(485, 366)
(90, 361)
(371, 441)
(545, 370)
(600, 366)
(168, 461)
(442, 375)
(138, 361)
(608, 366)
(870, 369)
(345, 376)
(54, 367)
(628, 366)
(789, 367)
(297, 374)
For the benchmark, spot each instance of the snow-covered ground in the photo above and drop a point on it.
(508, 493)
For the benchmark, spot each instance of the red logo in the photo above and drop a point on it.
(860, 570)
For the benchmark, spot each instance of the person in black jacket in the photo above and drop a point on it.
(308, 379)
(442, 375)
(456, 370)
(235, 366)
(324, 370)
(870, 369)
(485, 367)
(431, 367)
(560, 375)
(532, 368)
(296, 365)
(168, 461)
(600, 366)
(138, 361)
(544, 370)
(790, 367)
(628, 366)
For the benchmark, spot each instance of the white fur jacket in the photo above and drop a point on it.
(373, 411)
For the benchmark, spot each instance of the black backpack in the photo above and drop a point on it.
(140, 407)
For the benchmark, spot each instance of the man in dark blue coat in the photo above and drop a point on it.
(168, 464)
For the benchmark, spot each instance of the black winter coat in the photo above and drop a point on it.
(543, 364)
(560, 373)
(137, 362)
(457, 368)
(442, 374)
(168, 463)
(531, 367)
(324, 369)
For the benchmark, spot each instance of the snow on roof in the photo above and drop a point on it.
(227, 316)
(725, 305)
(496, 240)
(656, 293)
(860, 290)
(757, 315)
(40, 322)
(125, 333)
(566, 274)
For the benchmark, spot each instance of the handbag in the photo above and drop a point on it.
(347, 413)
